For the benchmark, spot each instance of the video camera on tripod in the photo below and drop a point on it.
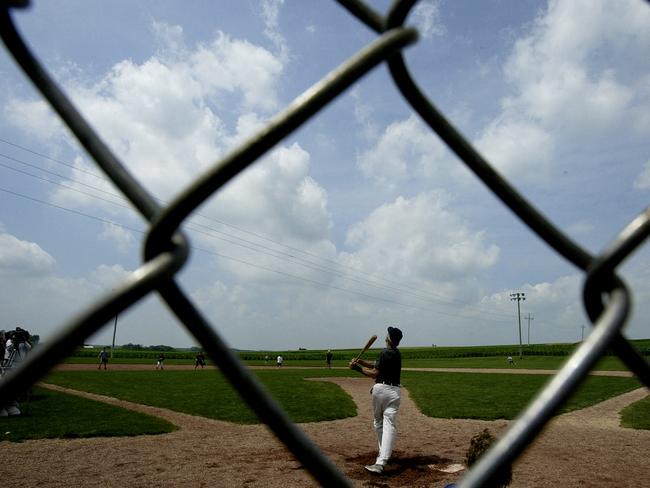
(14, 346)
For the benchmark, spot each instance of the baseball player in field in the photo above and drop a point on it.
(385, 392)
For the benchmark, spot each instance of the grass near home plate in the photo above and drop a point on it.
(207, 393)
(47, 414)
(637, 415)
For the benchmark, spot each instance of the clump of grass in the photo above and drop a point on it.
(480, 443)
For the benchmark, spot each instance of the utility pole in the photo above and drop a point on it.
(583, 333)
(114, 331)
(518, 297)
(529, 317)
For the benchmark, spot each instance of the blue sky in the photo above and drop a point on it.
(361, 218)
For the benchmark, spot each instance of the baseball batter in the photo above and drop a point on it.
(385, 395)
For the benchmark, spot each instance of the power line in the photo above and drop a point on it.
(251, 245)
(529, 317)
(371, 281)
(49, 158)
(292, 249)
(242, 261)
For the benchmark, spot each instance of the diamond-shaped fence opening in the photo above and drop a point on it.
(605, 296)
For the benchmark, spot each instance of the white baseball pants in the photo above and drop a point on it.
(385, 404)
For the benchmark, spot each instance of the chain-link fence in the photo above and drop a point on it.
(605, 296)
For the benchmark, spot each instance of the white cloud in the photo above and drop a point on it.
(162, 116)
(419, 240)
(243, 67)
(42, 302)
(567, 98)
(229, 303)
(558, 68)
(363, 114)
(556, 308)
(270, 14)
(166, 118)
(406, 150)
(519, 149)
(88, 189)
(247, 125)
(571, 83)
(170, 36)
(31, 294)
(34, 117)
(154, 118)
(23, 256)
(426, 17)
(110, 276)
(121, 237)
(277, 197)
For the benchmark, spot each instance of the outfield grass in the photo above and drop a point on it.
(498, 396)
(49, 415)
(120, 360)
(608, 363)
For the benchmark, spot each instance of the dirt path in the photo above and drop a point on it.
(584, 448)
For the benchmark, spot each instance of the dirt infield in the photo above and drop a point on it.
(584, 448)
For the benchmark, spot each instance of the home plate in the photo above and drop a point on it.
(449, 468)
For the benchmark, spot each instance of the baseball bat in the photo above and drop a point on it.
(370, 342)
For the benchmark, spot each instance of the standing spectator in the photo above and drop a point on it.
(328, 358)
(103, 359)
(280, 360)
(161, 361)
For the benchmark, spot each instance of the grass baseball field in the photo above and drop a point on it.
(206, 393)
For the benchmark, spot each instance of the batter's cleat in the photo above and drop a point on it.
(375, 468)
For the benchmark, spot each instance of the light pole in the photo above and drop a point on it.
(518, 297)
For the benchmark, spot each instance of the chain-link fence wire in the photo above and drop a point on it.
(605, 296)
